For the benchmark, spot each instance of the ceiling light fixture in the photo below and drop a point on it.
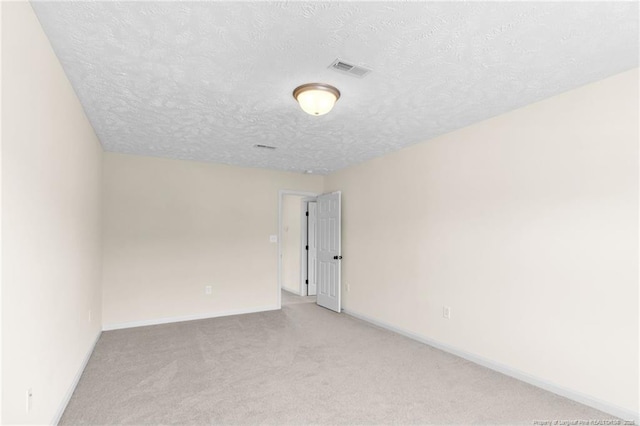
(316, 98)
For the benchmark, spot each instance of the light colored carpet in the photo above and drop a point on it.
(290, 298)
(301, 365)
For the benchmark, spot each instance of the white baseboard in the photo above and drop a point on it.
(158, 321)
(292, 291)
(74, 383)
(598, 404)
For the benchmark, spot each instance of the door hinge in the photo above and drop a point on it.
(307, 213)
(306, 247)
(306, 281)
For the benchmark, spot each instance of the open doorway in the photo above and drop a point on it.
(295, 269)
(309, 248)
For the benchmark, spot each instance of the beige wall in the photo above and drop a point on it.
(51, 165)
(526, 225)
(173, 227)
(291, 222)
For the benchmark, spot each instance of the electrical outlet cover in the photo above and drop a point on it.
(446, 312)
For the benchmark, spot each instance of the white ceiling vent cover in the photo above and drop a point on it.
(351, 69)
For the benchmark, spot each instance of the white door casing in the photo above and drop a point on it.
(329, 258)
(312, 253)
(278, 239)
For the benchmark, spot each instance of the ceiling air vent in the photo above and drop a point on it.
(264, 146)
(347, 68)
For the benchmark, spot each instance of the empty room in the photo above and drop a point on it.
(326, 213)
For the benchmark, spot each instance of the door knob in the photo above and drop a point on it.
(337, 257)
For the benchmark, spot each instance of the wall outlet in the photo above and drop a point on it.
(208, 290)
(348, 288)
(29, 400)
(446, 312)
(273, 238)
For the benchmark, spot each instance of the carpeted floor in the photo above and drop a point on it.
(290, 298)
(301, 365)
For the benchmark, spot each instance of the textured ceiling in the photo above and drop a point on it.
(208, 81)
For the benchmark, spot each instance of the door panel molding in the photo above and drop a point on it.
(329, 251)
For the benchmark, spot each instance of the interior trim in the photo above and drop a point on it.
(157, 321)
(74, 383)
(582, 398)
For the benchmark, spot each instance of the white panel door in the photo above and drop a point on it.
(328, 268)
(312, 253)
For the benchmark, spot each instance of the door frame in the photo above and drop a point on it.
(281, 194)
(304, 240)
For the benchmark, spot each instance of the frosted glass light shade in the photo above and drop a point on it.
(316, 98)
